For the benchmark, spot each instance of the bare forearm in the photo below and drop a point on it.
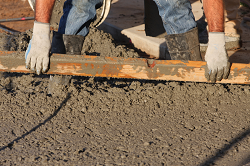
(44, 10)
(214, 11)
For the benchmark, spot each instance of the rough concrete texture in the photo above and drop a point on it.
(102, 121)
(96, 43)
(102, 44)
(105, 121)
(15, 42)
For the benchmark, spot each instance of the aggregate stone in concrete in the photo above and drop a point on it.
(105, 121)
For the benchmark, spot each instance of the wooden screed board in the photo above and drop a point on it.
(135, 68)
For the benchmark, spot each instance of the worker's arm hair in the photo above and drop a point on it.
(43, 10)
(214, 12)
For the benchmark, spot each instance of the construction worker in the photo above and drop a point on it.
(179, 23)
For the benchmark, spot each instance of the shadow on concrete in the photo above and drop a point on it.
(9, 30)
(10, 145)
(240, 56)
(223, 151)
(246, 162)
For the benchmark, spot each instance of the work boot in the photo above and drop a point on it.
(67, 44)
(63, 44)
(184, 46)
(102, 12)
(32, 4)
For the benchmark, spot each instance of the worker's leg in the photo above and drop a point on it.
(232, 25)
(176, 15)
(74, 26)
(76, 15)
(179, 23)
(72, 30)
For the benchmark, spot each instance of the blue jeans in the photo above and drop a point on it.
(176, 15)
(77, 15)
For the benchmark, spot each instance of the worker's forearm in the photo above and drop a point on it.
(214, 11)
(44, 10)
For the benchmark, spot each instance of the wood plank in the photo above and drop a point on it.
(137, 68)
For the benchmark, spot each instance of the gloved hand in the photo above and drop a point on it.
(216, 57)
(37, 53)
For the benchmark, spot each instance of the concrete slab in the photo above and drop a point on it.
(125, 23)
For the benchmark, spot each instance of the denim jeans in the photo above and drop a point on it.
(77, 15)
(176, 15)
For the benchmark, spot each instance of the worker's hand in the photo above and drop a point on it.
(37, 54)
(216, 57)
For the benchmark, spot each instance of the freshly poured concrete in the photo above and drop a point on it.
(106, 121)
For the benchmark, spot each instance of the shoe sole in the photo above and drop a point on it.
(105, 11)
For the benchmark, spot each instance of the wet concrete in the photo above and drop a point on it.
(106, 121)
(96, 43)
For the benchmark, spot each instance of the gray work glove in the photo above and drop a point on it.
(37, 53)
(216, 57)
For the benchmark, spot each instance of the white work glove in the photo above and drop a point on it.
(216, 57)
(37, 53)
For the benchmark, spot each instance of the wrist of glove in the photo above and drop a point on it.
(37, 53)
(216, 57)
